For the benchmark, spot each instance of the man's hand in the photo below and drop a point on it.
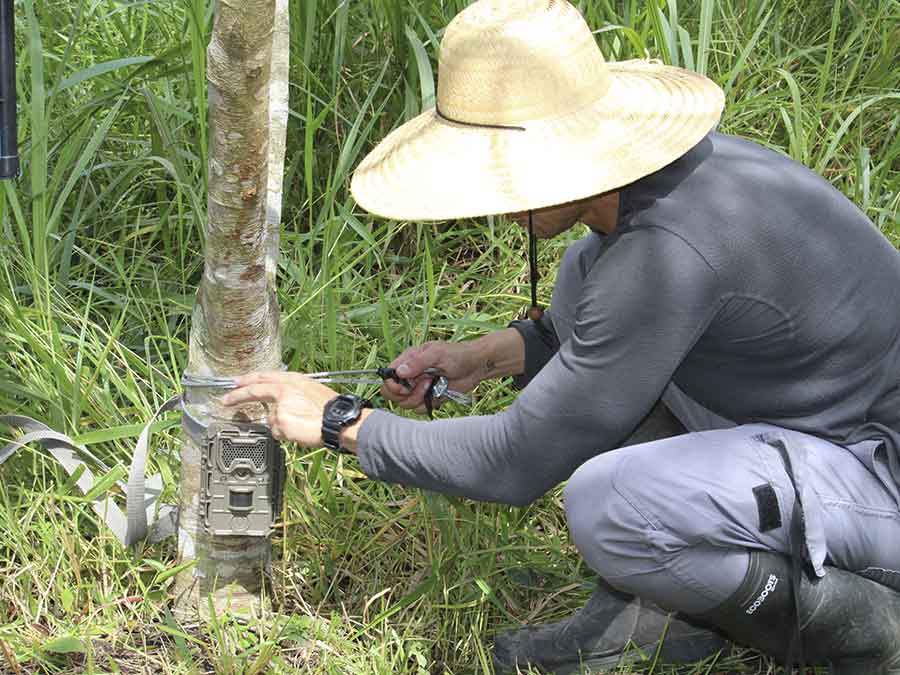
(294, 402)
(457, 361)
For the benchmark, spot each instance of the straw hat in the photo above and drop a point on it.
(529, 115)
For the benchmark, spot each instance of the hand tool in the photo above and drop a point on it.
(438, 390)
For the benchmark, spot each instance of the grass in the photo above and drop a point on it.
(101, 250)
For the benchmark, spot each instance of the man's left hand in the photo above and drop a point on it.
(294, 402)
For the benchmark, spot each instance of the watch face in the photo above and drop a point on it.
(345, 408)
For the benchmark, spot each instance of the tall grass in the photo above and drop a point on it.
(101, 250)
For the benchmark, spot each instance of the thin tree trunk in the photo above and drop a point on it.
(235, 323)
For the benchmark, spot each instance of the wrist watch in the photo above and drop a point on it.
(341, 412)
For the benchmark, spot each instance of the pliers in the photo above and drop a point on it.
(358, 376)
(438, 389)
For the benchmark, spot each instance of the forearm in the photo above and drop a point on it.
(499, 354)
(481, 457)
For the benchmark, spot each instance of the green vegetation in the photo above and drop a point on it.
(100, 252)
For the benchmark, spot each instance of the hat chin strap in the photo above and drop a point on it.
(534, 312)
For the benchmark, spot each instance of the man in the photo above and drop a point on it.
(725, 279)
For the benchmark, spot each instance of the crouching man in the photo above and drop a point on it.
(721, 278)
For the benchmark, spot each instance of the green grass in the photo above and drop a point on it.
(100, 252)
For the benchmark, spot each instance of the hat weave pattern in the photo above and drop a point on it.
(529, 115)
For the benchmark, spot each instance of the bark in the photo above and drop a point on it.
(235, 322)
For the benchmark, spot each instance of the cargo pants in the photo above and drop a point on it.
(673, 520)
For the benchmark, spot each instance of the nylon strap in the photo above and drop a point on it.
(141, 494)
(139, 513)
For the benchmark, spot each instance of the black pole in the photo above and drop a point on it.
(9, 145)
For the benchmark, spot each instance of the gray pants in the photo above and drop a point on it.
(672, 520)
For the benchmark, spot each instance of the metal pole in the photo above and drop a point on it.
(9, 146)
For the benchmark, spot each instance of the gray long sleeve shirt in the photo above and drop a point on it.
(735, 272)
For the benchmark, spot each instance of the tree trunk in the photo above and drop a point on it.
(235, 323)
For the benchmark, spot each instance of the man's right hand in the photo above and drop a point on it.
(464, 364)
(457, 361)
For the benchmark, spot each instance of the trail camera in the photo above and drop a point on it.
(242, 470)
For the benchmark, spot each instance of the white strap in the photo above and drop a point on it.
(139, 509)
(141, 495)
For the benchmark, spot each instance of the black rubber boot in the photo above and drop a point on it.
(846, 621)
(611, 629)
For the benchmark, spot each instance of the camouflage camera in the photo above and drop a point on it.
(242, 469)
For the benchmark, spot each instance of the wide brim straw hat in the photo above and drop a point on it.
(528, 114)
